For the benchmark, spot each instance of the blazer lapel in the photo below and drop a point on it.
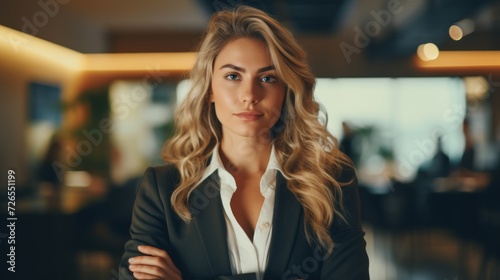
(287, 211)
(211, 225)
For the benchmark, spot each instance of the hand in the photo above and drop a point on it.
(157, 264)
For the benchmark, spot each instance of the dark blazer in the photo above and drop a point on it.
(199, 248)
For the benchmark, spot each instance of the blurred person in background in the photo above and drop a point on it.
(255, 186)
(47, 174)
(466, 165)
(466, 173)
(440, 164)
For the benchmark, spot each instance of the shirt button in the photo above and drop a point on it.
(265, 225)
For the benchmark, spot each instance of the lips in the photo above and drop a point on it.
(249, 115)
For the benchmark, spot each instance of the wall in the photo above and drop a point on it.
(26, 59)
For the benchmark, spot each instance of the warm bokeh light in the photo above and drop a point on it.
(427, 52)
(476, 88)
(77, 179)
(462, 60)
(182, 61)
(456, 33)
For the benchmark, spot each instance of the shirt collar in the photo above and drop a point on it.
(273, 161)
(267, 180)
(215, 163)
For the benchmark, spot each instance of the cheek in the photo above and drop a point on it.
(229, 91)
(224, 101)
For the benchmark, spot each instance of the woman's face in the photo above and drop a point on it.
(245, 90)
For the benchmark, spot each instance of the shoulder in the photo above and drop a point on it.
(165, 170)
(349, 202)
(344, 174)
(348, 181)
(166, 175)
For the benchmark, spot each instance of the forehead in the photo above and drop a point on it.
(244, 52)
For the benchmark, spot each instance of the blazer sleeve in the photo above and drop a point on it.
(349, 260)
(148, 225)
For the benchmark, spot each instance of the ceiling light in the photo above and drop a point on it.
(427, 52)
(456, 33)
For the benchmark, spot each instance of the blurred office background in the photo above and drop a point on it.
(412, 90)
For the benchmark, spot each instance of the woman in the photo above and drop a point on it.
(254, 186)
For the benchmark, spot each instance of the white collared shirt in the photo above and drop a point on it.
(245, 255)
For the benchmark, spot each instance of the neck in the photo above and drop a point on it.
(245, 156)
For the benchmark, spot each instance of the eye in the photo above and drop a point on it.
(268, 79)
(232, 77)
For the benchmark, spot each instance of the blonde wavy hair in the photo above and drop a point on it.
(306, 151)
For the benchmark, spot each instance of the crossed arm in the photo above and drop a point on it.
(155, 264)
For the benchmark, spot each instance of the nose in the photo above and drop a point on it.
(250, 92)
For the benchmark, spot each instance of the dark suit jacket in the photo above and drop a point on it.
(199, 248)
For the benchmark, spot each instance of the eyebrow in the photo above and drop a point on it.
(241, 69)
